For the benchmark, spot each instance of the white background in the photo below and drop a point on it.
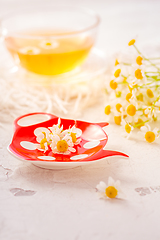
(66, 205)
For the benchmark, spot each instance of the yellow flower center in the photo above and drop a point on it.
(118, 106)
(128, 96)
(130, 88)
(73, 136)
(30, 51)
(43, 141)
(131, 110)
(117, 73)
(155, 119)
(139, 60)
(128, 128)
(118, 94)
(48, 44)
(62, 146)
(111, 192)
(117, 120)
(140, 123)
(140, 97)
(146, 115)
(150, 136)
(116, 62)
(124, 80)
(138, 74)
(113, 84)
(150, 93)
(107, 110)
(131, 42)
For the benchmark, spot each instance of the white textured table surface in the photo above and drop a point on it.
(64, 204)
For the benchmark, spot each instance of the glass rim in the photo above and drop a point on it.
(84, 10)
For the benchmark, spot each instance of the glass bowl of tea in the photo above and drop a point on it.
(50, 40)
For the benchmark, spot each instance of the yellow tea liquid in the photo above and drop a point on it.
(46, 55)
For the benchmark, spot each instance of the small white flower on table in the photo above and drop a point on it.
(112, 190)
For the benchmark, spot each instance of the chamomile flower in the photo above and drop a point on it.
(149, 135)
(107, 110)
(131, 42)
(110, 190)
(134, 92)
(157, 103)
(117, 119)
(139, 60)
(29, 50)
(43, 142)
(59, 141)
(56, 129)
(127, 128)
(150, 112)
(63, 146)
(117, 73)
(49, 44)
(74, 133)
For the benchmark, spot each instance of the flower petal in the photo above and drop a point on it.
(117, 184)
(111, 181)
(71, 149)
(101, 186)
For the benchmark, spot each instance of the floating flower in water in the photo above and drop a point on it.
(49, 44)
(133, 92)
(29, 50)
(112, 190)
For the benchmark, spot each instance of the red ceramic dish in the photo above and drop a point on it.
(90, 149)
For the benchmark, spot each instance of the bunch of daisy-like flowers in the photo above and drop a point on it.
(58, 140)
(134, 95)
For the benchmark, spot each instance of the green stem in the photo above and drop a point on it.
(138, 51)
(152, 72)
(147, 59)
(155, 101)
(124, 76)
(140, 124)
(128, 64)
(152, 58)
